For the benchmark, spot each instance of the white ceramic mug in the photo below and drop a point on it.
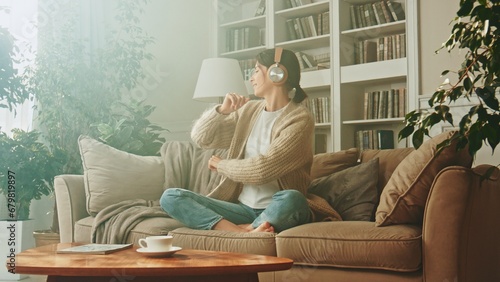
(157, 243)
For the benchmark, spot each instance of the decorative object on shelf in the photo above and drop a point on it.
(476, 31)
(217, 77)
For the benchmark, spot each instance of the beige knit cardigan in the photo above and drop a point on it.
(288, 159)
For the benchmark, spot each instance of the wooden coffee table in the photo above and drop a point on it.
(129, 265)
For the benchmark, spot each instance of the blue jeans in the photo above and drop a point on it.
(287, 209)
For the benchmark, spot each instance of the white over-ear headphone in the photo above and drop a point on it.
(277, 73)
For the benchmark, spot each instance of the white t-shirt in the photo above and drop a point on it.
(259, 196)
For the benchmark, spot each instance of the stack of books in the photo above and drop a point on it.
(376, 13)
(313, 62)
(385, 104)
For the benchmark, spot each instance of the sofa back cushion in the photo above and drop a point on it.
(388, 160)
(112, 176)
(325, 164)
(404, 197)
(186, 166)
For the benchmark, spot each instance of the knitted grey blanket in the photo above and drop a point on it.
(113, 224)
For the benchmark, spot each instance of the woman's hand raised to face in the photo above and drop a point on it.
(232, 102)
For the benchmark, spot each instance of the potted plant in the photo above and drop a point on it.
(476, 31)
(27, 171)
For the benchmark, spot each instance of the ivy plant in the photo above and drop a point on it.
(475, 30)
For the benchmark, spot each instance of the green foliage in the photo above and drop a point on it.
(476, 30)
(12, 89)
(31, 165)
(131, 131)
(76, 85)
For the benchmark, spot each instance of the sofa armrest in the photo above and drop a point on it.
(460, 229)
(71, 204)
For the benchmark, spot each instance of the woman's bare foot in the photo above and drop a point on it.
(264, 227)
(229, 226)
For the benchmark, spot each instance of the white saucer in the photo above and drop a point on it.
(168, 253)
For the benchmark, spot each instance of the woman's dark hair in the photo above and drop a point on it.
(291, 63)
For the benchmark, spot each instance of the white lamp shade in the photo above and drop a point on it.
(219, 76)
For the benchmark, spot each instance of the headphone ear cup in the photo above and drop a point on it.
(277, 74)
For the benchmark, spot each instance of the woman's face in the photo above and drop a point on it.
(259, 80)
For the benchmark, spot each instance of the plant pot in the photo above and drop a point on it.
(45, 237)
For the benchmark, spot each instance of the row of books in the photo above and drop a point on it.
(381, 49)
(320, 108)
(309, 26)
(380, 12)
(385, 104)
(374, 139)
(313, 62)
(244, 37)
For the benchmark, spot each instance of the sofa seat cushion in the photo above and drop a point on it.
(225, 241)
(353, 244)
(147, 227)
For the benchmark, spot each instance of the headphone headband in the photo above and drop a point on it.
(277, 54)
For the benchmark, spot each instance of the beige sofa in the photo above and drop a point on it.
(436, 219)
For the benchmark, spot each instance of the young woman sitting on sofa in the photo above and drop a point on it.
(267, 171)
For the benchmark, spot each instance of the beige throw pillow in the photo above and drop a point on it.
(403, 198)
(327, 163)
(112, 176)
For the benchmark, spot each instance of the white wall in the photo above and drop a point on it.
(182, 32)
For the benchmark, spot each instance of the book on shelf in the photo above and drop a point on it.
(243, 38)
(380, 49)
(377, 139)
(375, 13)
(261, 9)
(396, 9)
(319, 108)
(385, 104)
(308, 26)
(365, 52)
(297, 3)
(309, 62)
(94, 249)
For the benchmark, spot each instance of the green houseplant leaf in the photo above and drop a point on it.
(476, 30)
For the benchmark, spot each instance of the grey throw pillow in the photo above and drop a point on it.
(352, 192)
